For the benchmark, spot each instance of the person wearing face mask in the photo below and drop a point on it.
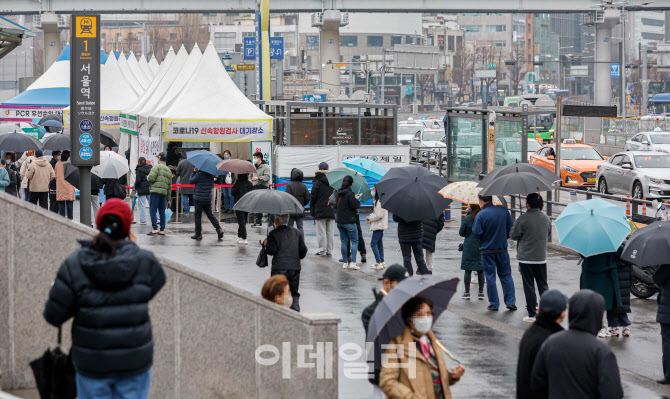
(261, 181)
(228, 180)
(417, 347)
(53, 201)
(392, 276)
(276, 289)
(14, 180)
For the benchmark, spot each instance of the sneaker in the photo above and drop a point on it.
(511, 307)
(256, 225)
(492, 308)
(196, 237)
(328, 254)
(376, 266)
(363, 259)
(242, 241)
(348, 260)
(220, 234)
(614, 331)
(626, 332)
(603, 333)
(320, 253)
(353, 266)
(384, 265)
(480, 296)
(466, 296)
(529, 319)
(345, 265)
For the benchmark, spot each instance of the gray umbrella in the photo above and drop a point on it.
(269, 201)
(517, 182)
(516, 168)
(386, 322)
(19, 142)
(57, 142)
(649, 246)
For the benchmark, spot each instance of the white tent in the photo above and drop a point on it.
(144, 67)
(154, 65)
(128, 74)
(210, 107)
(134, 67)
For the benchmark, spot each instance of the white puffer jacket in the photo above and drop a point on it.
(379, 219)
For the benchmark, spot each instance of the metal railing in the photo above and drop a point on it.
(430, 157)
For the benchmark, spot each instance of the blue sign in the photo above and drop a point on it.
(86, 153)
(276, 48)
(85, 125)
(52, 44)
(314, 98)
(615, 70)
(86, 139)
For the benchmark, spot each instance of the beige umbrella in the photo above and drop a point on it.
(464, 191)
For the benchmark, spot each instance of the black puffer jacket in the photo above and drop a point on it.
(109, 300)
(287, 247)
(347, 207)
(662, 278)
(409, 231)
(321, 191)
(297, 188)
(430, 230)
(624, 272)
(204, 183)
(529, 346)
(142, 185)
(241, 186)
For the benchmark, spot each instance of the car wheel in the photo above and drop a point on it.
(602, 186)
(637, 190)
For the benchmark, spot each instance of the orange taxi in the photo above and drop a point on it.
(579, 163)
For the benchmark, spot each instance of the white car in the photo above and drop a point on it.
(407, 131)
(649, 141)
(641, 174)
(430, 139)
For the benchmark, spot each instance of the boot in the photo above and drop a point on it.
(220, 233)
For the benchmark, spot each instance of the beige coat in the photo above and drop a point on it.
(39, 174)
(395, 382)
(24, 170)
(64, 190)
(379, 218)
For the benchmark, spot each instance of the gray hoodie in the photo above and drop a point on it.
(531, 231)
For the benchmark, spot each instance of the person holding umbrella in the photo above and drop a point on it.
(345, 217)
(323, 211)
(53, 201)
(160, 179)
(299, 190)
(471, 260)
(65, 192)
(204, 184)
(492, 226)
(184, 172)
(4, 176)
(240, 188)
(261, 181)
(418, 348)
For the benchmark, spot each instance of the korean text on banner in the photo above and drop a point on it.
(128, 124)
(9, 113)
(149, 148)
(217, 130)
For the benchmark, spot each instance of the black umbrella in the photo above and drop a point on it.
(19, 142)
(106, 139)
(412, 193)
(517, 182)
(54, 374)
(52, 117)
(516, 168)
(269, 201)
(57, 142)
(649, 246)
(386, 322)
(71, 174)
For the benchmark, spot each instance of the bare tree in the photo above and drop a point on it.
(425, 83)
(461, 71)
(159, 35)
(517, 69)
(485, 56)
(192, 30)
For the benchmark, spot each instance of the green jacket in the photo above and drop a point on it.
(160, 178)
(472, 258)
(599, 273)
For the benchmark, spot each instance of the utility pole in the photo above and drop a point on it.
(622, 68)
(383, 70)
(557, 132)
(645, 81)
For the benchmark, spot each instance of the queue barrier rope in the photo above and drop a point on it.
(176, 186)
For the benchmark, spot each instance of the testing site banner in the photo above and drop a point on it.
(27, 113)
(217, 130)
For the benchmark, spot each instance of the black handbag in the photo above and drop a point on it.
(262, 259)
(460, 247)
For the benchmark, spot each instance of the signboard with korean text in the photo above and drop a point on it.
(85, 90)
(264, 147)
(149, 148)
(276, 48)
(108, 119)
(217, 130)
(128, 124)
(27, 113)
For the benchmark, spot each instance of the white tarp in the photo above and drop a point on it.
(144, 67)
(154, 65)
(307, 158)
(134, 67)
(211, 108)
(128, 74)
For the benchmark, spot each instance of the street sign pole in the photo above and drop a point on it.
(85, 104)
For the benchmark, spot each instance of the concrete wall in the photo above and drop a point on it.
(206, 332)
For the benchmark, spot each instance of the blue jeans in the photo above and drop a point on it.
(228, 200)
(377, 245)
(133, 387)
(498, 262)
(348, 232)
(185, 200)
(157, 204)
(142, 204)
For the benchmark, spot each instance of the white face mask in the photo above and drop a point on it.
(288, 300)
(422, 324)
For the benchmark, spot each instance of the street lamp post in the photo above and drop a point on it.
(227, 60)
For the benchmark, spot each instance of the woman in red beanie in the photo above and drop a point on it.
(106, 285)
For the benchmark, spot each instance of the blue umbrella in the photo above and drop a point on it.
(205, 161)
(592, 227)
(366, 167)
(52, 123)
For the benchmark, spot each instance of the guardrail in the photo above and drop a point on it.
(430, 157)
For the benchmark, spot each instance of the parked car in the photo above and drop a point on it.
(429, 139)
(406, 131)
(579, 163)
(508, 150)
(642, 174)
(433, 123)
(649, 141)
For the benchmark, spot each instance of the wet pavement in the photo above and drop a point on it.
(486, 342)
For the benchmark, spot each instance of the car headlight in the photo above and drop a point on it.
(569, 169)
(657, 181)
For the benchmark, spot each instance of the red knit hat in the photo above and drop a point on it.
(119, 208)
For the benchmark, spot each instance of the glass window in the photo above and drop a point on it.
(499, 43)
(173, 36)
(348, 41)
(450, 43)
(580, 153)
(616, 160)
(472, 28)
(652, 161)
(432, 135)
(224, 40)
(660, 138)
(430, 41)
(378, 131)
(307, 131)
(409, 40)
(465, 137)
(396, 40)
(342, 131)
(375, 41)
(496, 28)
